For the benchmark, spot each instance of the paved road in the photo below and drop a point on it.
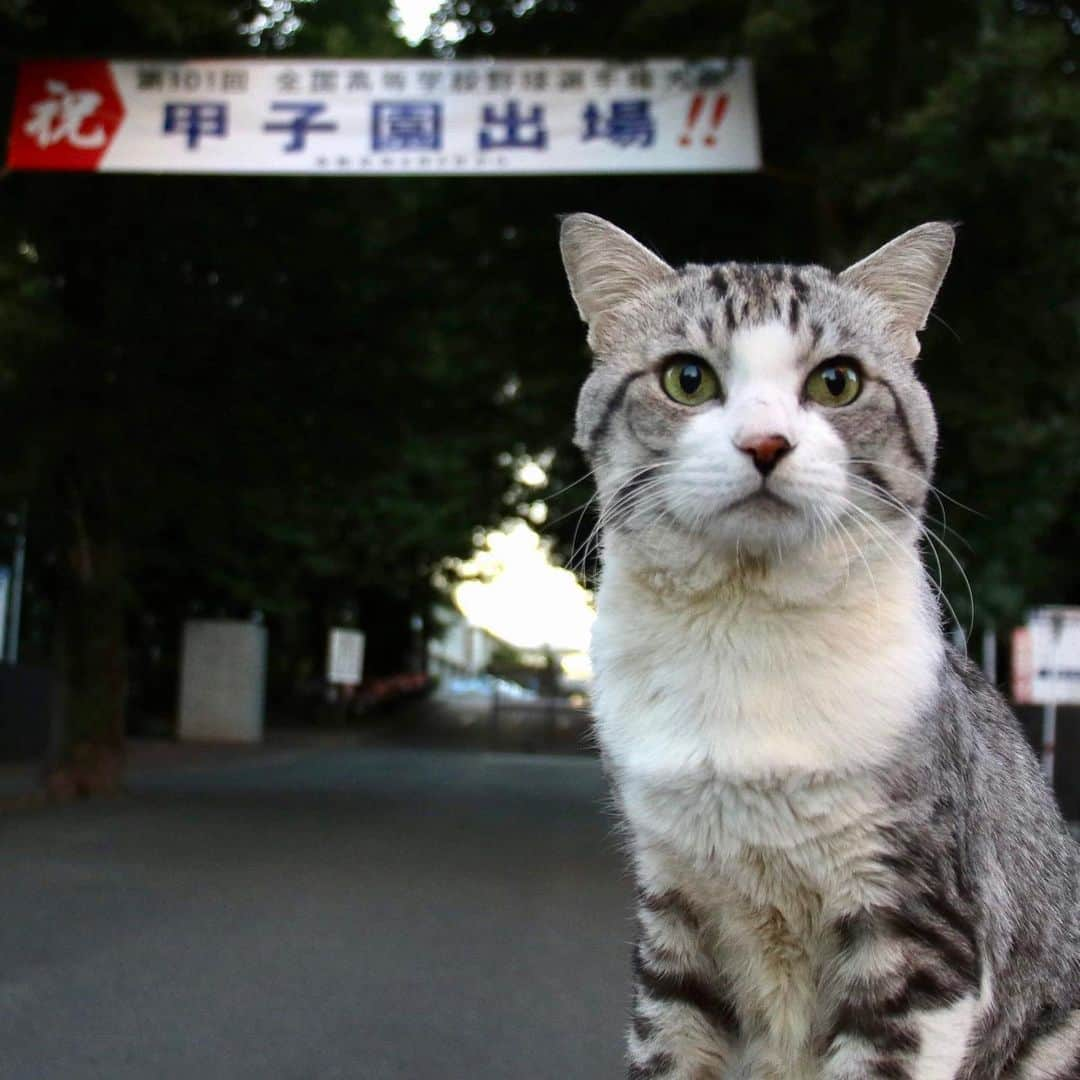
(352, 913)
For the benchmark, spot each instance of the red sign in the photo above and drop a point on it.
(1023, 666)
(66, 114)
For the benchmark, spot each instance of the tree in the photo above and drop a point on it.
(219, 401)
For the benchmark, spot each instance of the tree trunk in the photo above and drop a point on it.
(92, 660)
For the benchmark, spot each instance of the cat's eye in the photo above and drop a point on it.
(836, 382)
(688, 380)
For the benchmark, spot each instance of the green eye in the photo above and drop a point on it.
(689, 380)
(836, 382)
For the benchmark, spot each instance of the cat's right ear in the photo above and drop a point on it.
(605, 266)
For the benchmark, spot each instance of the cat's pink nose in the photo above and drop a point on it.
(766, 450)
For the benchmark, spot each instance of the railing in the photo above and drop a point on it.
(540, 724)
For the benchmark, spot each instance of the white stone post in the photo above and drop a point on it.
(222, 681)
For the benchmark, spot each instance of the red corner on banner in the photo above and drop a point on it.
(66, 114)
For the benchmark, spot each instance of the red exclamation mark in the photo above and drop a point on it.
(696, 105)
(719, 109)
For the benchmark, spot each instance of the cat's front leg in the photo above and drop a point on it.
(684, 1022)
(906, 988)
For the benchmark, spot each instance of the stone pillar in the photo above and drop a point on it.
(222, 680)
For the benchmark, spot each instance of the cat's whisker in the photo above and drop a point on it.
(580, 508)
(577, 525)
(937, 318)
(873, 490)
(625, 491)
(831, 530)
(870, 527)
(632, 497)
(894, 499)
(563, 490)
(934, 543)
(922, 478)
(657, 501)
(640, 502)
(856, 479)
(878, 527)
(866, 562)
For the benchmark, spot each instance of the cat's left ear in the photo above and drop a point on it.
(906, 274)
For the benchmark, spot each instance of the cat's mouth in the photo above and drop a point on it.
(763, 496)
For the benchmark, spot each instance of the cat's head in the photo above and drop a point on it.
(754, 408)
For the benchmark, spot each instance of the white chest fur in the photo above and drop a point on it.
(739, 685)
(744, 736)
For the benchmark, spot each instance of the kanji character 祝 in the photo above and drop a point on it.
(406, 125)
(628, 123)
(301, 123)
(62, 117)
(520, 131)
(196, 120)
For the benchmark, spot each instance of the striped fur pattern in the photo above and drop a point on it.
(849, 864)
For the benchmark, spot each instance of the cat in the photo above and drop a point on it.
(849, 864)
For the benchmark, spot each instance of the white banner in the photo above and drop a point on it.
(403, 118)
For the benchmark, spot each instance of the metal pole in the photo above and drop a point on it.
(5, 603)
(1049, 737)
(17, 573)
(1049, 734)
(989, 654)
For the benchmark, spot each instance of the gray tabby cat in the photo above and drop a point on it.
(849, 863)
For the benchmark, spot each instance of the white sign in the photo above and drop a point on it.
(1046, 658)
(345, 657)
(399, 117)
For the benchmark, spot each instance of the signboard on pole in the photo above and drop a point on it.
(1046, 658)
(345, 657)
(394, 117)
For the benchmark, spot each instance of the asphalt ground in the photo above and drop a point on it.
(330, 912)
